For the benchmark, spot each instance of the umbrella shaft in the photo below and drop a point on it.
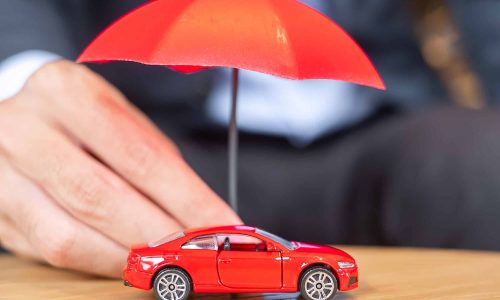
(233, 144)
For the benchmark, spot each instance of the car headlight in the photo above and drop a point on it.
(346, 265)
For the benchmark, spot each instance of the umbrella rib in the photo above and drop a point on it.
(164, 37)
(291, 49)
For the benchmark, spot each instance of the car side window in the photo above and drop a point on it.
(207, 242)
(240, 242)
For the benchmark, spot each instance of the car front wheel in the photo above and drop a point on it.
(318, 283)
(172, 284)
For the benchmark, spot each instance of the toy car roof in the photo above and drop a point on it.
(226, 229)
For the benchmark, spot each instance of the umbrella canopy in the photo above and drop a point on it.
(284, 38)
(279, 37)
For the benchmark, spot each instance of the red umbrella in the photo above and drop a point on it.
(284, 38)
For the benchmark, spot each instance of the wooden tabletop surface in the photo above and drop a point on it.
(385, 273)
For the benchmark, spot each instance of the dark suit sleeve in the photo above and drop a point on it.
(479, 24)
(34, 24)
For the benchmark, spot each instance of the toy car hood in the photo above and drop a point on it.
(322, 250)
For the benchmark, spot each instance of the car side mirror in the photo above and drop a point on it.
(227, 245)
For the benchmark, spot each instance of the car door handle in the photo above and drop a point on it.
(225, 260)
(282, 258)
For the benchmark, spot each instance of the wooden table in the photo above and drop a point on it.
(385, 273)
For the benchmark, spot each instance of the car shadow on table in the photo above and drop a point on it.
(274, 296)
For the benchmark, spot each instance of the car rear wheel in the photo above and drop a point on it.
(172, 284)
(318, 283)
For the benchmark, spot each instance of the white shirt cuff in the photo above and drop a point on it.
(17, 69)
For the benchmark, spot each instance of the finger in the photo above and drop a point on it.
(10, 236)
(136, 150)
(14, 241)
(84, 187)
(57, 237)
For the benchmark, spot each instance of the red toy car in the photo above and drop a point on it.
(238, 259)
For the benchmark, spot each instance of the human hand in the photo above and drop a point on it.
(84, 175)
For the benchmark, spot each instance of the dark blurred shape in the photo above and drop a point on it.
(443, 51)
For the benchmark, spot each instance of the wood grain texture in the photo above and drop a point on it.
(385, 273)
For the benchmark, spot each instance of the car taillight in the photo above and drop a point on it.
(133, 258)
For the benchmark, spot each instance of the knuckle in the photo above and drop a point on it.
(53, 83)
(59, 69)
(58, 250)
(88, 192)
(141, 159)
(49, 77)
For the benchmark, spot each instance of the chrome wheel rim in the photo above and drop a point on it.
(320, 285)
(171, 286)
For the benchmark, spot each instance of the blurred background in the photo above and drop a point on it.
(441, 45)
(416, 165)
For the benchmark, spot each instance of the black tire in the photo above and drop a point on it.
(318, 283)
(172, 281)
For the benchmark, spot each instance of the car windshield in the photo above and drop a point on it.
(168, 238)
(289, 245)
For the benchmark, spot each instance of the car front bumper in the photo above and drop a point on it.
(348, 279)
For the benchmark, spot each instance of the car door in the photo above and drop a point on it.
(244, 262)
(199, 257)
